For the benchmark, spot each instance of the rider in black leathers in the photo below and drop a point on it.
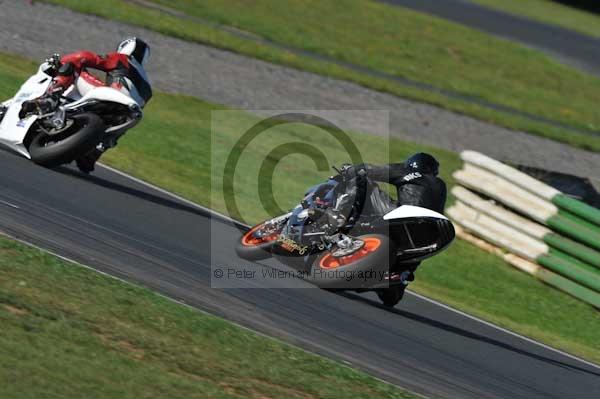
(416, 183)
(415, 179)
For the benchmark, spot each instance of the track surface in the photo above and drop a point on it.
(131, 231)
(569, 46)
(242, 82)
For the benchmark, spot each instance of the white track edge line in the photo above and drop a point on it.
(507, 331)
(487, 323)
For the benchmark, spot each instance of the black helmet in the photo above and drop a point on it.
(423, 163)
(135, 48)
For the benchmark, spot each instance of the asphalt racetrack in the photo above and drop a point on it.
(129, 230)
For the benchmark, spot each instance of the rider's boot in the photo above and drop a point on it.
(406, 277)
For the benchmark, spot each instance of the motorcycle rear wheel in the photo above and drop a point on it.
(366, 267)
(79, 138)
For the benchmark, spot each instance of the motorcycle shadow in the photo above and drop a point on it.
(141, 194)
(464, 333)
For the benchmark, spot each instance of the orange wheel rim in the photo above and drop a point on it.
(331, 262)
(249, 240)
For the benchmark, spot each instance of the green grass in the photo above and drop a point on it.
(172, 147)
(401, 43)
(70, 332)
(550, 12)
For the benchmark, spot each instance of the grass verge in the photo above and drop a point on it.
(70, 332)
(402, 43)
(172, 148)
(550, 12)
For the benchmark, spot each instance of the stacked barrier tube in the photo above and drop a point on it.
(527, 203)
(546, 233)
(541, 189)
(531, 228)
(548, 277)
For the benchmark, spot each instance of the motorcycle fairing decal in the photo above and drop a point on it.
(291, 245)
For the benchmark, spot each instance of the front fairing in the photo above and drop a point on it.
(293, 240)
(13, 129)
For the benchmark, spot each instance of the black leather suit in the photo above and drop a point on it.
(413, 188)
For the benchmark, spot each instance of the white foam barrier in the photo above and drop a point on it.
(502, 214)
(496, 232)
(512, 259)
(503, 191)
(517, 177)
(572, 288)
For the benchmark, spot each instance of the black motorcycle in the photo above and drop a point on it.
(339, 247)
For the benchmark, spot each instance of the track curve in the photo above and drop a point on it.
(571, 47)
(131, 231)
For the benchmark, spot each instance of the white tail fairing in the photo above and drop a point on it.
(409, 211)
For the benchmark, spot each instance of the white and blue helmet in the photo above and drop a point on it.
(135, 48)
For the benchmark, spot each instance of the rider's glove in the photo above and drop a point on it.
(53, 64)
(63, 78)
(351, 171)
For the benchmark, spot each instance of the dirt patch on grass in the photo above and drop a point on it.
(122, 345)
(7, 251)
(127, 346)
(15, 310)
(278, 391)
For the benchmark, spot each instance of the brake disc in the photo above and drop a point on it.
(348, 250)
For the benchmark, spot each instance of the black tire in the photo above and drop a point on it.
(247, 249)
(392, 295)
(373, 265)
(85, 133)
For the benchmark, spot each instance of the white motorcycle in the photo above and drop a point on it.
(84, 117)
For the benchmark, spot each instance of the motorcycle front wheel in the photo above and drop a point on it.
(257, 242)
(82, 133)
